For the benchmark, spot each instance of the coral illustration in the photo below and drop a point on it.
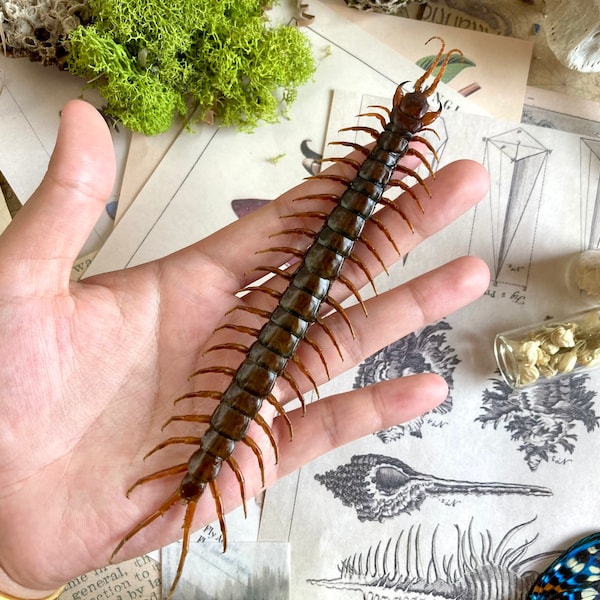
(424, 351)
(542, 419)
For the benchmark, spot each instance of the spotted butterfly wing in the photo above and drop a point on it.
(575, 575)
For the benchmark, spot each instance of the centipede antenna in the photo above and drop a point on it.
(419, 83)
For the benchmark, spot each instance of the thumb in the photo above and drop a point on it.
(39, 247)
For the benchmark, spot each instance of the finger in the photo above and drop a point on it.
(49, 231)
(254, 232)
(454, 190)
(392, 315)
(340, 419)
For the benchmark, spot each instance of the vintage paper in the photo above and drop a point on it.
(246, 570)
(31, 98)
(457, 495)
(496, 85)
(5, 217)
(191, 192)
(568, 113)
(137, 579)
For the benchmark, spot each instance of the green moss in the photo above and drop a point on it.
(152, 59)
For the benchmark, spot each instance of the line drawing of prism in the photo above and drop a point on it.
(589, 152)
(504, 227)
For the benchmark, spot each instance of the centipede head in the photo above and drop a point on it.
(411, 110)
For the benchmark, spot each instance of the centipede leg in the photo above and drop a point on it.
(281, 412)
(241, 482)
(329, 333)
(176, 470)
(216, 494)
(174, 440)
(185, 545)
(213, 394)
(269, 433)
(159, 512)
(318, 350)
(248, 441)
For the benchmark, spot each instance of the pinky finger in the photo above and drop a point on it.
(343, 418)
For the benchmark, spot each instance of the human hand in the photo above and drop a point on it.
(90, 369)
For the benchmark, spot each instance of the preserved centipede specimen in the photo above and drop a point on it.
(298, 307)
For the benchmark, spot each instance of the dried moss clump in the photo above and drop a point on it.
(151, 59)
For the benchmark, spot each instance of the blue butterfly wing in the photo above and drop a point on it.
(574, 575)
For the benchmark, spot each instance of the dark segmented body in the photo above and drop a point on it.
(297, 309)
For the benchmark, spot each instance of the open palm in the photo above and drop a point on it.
(90, 370)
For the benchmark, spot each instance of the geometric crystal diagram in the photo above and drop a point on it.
(516, 162)
(590, 193)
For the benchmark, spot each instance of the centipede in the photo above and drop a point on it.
(305, 298)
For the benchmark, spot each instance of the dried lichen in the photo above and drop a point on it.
(151, 60)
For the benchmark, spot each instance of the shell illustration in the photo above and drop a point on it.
(382, 487)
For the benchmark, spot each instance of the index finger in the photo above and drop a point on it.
(455, 189)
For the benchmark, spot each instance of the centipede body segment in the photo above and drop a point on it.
(299, 307)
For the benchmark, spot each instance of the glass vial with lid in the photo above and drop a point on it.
(549, 349)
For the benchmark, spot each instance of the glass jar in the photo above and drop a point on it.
(549, 349)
